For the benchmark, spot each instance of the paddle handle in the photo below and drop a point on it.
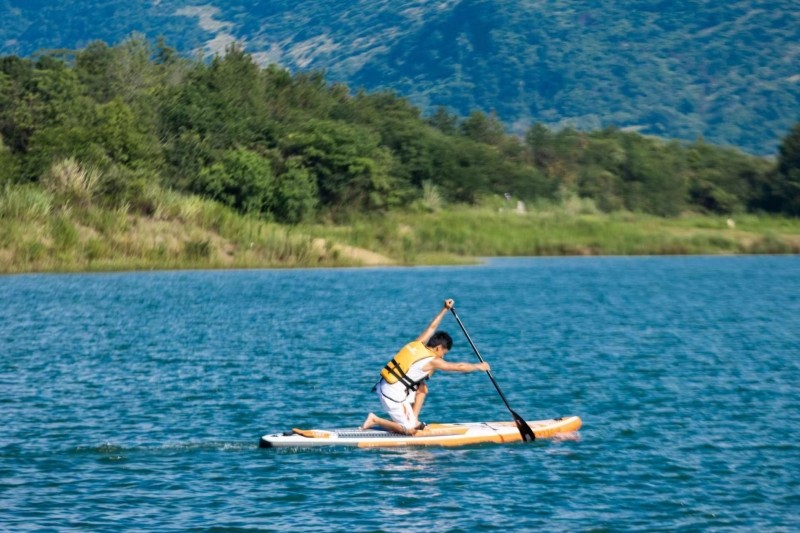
(475, 349)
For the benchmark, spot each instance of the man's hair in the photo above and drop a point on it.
(441, 338)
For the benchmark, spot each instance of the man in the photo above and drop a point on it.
(402, 387)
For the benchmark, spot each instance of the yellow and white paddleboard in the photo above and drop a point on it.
(433, 435)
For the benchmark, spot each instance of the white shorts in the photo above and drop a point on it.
(401, 412)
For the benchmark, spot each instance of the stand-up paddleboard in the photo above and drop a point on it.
(432, 435)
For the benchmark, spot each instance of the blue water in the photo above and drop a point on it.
(136, 401)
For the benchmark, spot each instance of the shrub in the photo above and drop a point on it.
(771, 243)
(34, 250)
(296, 194)
(68, 178)
(431, 197)
(242, 180)
(64, 233)
(95, 249)
(25, 202)
(134, 189)
(197, 249)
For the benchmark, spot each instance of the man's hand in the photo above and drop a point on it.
(483, 366)
(449, 303)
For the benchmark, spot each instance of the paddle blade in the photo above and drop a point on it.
(524, 429)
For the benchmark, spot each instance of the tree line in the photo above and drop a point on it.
(293, 147)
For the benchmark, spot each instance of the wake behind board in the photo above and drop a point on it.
(433, 435)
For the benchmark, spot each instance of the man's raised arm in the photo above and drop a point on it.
(431, 329)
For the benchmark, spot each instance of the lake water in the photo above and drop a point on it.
(135, 401)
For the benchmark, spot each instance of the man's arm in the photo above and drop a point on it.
(431, 329)
(441, 364)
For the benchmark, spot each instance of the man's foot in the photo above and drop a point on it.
(369, 422)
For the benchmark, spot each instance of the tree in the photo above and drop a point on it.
(55, 118)
(351, 168)
(241, 179)
(8, 164)
(540, 141)
(296, 193)
(788, 172)
(653, 177)
(483, 128)
(224, 102)
(722, 180)
(16, 120)
(133, 73)
(124, 138)
(94, 66)
(444, 121)
(464, 169)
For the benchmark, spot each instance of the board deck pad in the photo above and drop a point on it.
(429, 431)
(457, 434)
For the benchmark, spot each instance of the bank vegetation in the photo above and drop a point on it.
(131, 157)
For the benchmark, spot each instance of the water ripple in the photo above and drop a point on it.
(135, 401)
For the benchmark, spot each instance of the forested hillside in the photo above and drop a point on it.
(135, 157)
(113, 125)
(728, 72)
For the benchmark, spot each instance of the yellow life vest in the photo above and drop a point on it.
(397, 369)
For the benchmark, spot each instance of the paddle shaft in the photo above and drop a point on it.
(475, 349)
(525, 430)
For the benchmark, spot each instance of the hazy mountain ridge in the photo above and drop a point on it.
(729, 72)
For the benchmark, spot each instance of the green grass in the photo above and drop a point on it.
(25, 202)
(37, 233)
(463, 232)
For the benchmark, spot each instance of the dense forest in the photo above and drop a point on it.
(116, 125)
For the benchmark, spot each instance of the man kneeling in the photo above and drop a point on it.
(402, 388)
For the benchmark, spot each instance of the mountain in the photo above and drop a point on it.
(728, 72)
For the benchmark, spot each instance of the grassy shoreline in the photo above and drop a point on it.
(39, 234)
(482, 232)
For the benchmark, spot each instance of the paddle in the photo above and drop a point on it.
(523, 427)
